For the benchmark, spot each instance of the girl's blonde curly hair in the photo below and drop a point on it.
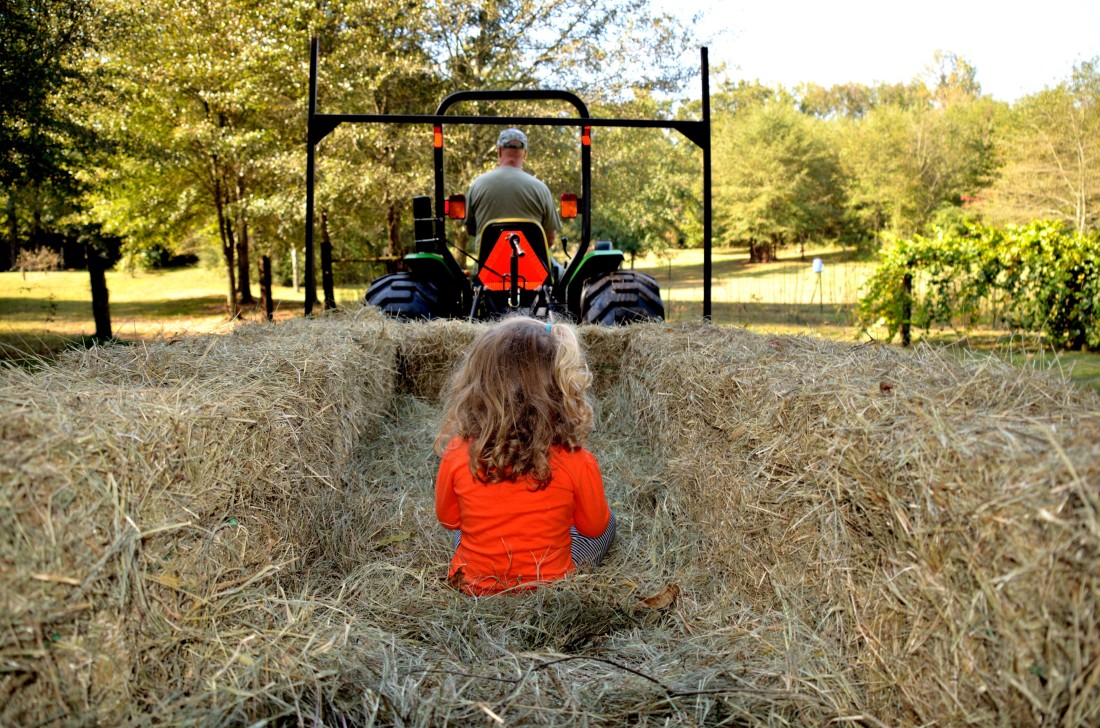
(521, 389)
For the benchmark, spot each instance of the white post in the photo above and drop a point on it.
(818, 266)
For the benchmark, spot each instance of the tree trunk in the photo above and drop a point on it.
(36, 225)
(326, 263)
(101, 311)
(906, 308)
(231, 266)
(243, 283)
(761, 252)
(227, 239)
(243, 286)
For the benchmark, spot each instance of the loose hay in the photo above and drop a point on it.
(232, 529)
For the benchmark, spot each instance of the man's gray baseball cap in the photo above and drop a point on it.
(512, 138)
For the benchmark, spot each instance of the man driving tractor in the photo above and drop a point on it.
(508, 192)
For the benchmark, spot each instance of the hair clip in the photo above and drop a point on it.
(548, 325)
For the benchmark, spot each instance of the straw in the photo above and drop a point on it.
(237, 529)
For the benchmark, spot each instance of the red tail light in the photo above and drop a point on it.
(438, 137)
(568, 206)
(586, 136)
(455, 207)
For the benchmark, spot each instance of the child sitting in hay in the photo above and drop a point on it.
(524, 497)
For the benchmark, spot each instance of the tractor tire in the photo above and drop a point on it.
(400, 296)
(622, 297)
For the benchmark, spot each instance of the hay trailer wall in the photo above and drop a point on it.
(320, 125)
(859, 535)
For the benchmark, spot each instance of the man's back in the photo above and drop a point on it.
(508, 192)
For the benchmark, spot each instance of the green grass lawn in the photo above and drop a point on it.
(41, 312)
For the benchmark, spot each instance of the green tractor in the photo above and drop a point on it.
(515, 270)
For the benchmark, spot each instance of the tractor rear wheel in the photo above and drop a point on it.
(621, 297)
(401, 296)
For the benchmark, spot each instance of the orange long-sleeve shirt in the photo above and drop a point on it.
(512, 535)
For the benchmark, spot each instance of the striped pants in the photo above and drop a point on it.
(586, 551)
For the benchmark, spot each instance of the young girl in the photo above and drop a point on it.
(525, 499)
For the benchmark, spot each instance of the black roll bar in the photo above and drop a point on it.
(516, 95)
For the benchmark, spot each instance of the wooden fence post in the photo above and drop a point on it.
(906, 308)
(326, 263)
(265, 287)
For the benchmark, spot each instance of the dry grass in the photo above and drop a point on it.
(226, 530)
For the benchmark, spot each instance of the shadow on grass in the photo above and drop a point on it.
(47, 312)
(22, 309)
(34, 351)
(763, 314)
(29, 340)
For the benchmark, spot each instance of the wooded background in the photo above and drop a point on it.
(177, 127)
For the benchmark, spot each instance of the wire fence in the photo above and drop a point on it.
(786, 292)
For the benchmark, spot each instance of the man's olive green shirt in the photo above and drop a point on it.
(509, 192)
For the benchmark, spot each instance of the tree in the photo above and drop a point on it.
(777, 181)
(209, 101)
(45, 84)
(1052, 156)
(952, 78)
(41, 42)
(849, 101)
(203, 105)
(594, 48)
(854, 100)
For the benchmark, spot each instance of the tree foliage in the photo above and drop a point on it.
(205, 109)
(905, 163)
(42, 43)
(45, 141)
(644, 190)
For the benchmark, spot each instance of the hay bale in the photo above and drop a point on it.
(935, 519)
(145, 485)
(604, 348)
(428, 353)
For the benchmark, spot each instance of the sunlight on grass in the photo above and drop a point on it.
(789, 281)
